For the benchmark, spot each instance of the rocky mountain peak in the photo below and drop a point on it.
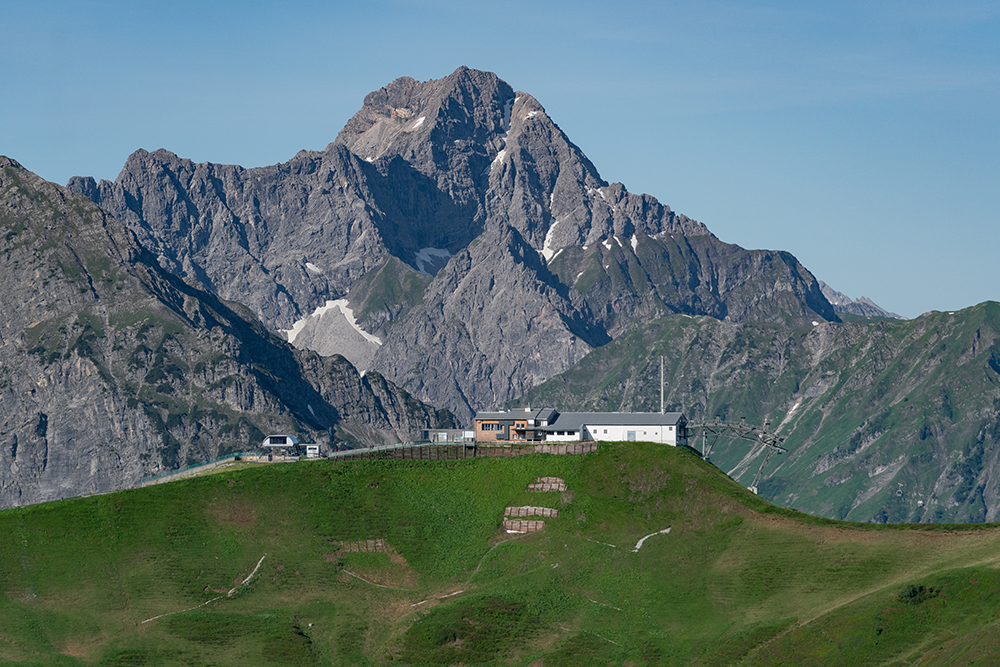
(862, 306)
(450, 218)
(464, 113)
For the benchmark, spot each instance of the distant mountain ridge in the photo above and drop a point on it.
(862, 306)
(542, 259)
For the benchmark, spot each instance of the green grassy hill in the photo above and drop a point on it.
(735, 580)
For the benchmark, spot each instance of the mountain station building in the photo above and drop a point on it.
(530, 426)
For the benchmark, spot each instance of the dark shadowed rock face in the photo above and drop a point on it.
(112, 368)
(544, 259)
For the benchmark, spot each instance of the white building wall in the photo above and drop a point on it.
(552, 437)
(620, 433)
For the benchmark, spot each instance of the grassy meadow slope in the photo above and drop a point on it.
(735, 579)
(886, 421)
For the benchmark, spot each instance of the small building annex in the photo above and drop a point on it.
(527, 425)
(288, 446)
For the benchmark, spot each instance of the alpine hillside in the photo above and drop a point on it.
(649, 556)
(112, 368)
(886, 421)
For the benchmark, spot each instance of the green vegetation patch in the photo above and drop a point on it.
(217, 628)
(588, 650)
(900, 626)
(469, 632)
(280, 639)
(389, 292)
(738, 647)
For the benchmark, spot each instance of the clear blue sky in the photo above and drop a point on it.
(863, 137)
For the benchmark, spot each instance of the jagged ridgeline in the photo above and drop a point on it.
(451, 220)
(112, 368)
(647, 556)
(886, 421)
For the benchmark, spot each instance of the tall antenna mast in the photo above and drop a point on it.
(661, 385)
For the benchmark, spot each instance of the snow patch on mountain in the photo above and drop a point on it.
(505, 122)
(340, 305)
(547, 251)
(498, 160)
(332, 329)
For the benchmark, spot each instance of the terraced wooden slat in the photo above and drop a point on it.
(528, 510)
(522, 526)
(544, 484)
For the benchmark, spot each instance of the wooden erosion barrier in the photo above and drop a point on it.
(520, 512)
(544, 484)
(514, 521)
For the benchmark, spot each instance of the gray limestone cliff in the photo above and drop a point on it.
(112, 368)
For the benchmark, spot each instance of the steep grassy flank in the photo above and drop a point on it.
(886, 421)
(735, 578)
(383, 297)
